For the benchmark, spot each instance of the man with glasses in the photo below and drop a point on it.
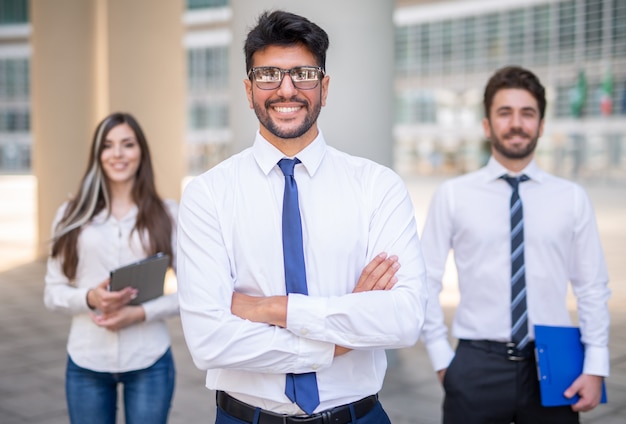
(289, 282)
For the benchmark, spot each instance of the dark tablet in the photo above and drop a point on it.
(147, 275)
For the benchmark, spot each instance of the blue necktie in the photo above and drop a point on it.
(299, 388)
(519, 313)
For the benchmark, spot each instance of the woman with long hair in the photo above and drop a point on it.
(116, 218)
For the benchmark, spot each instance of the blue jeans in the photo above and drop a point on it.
(92, 396)
(376, 416)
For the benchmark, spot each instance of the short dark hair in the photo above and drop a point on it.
(515, 77)
(280, 28)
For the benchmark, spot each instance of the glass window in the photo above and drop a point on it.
(401, 46)
(208, 87)
(541, 34)
(494, 40)
(208, 68)
(618, 27)
(13, 120)
(413, 50)
(468, 32)
(593, 28)
(592, 105)
(562, 106)
(13, 11)
(618, 96)
(203, 4)
(14, 79)
(516, 36)
(427, 107)
(567, 30)
(208, 117)
(447, 52)
(415, 107)
(204, 115)
(424, 48)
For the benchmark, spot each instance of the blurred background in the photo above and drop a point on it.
(407, 78)
(406, 83)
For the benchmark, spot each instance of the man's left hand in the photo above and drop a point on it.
(589, 388)
(379, 274)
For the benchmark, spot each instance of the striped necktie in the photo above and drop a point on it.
(519, 313)
(299, 388)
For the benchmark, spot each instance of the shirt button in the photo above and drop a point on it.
(304, 331)
(315, 367)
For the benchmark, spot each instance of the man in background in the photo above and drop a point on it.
(519, 237)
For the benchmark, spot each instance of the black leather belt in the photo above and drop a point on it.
(339, 415)
(506, 349)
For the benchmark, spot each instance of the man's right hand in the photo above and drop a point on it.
(441, 375)
(340, 350)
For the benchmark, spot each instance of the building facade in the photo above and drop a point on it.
(15, 135)
(444, 53)
(207, 42)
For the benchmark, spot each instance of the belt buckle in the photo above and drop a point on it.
(513, 353)
(320, 417)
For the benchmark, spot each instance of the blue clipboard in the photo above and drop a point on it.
(560, 355)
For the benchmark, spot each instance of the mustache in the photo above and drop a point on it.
(270, 102)
(516, 132)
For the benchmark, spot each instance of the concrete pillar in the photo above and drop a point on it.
(93, 57)
(358, 116)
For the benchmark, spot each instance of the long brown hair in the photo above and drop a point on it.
(94, 195)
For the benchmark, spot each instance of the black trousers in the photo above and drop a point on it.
(484, 387)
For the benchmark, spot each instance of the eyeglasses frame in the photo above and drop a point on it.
(282, 76)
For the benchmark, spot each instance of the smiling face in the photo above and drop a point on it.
(287, 116)
(514, 125)
(120, 155)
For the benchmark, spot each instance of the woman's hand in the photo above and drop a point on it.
(124, 317)
(109, 301)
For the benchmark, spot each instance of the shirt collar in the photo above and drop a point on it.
(494, 170)
(267, 156)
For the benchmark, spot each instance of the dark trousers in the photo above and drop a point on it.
(484, 387)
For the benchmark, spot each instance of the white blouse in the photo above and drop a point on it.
(106, 243)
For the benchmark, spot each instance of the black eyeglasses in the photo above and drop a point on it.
(271, 77)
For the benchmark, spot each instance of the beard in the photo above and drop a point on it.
(516, 152)
(264, 118)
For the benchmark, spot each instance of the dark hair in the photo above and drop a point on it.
(515, 77)
(281, 28)
(94, 195)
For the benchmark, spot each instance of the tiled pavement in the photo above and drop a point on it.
(32, 340)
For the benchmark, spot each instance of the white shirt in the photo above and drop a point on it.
(104, 245)
(230, 240)
(470, 214)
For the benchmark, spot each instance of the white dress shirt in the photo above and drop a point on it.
(230, 239)
(470, 214)
(104, 244)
